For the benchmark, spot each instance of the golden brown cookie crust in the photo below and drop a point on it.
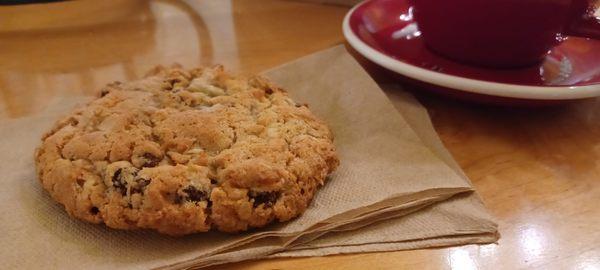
(184, 151)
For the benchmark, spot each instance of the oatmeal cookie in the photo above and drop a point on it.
(184, 151)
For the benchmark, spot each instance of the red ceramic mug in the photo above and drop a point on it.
(502, 33)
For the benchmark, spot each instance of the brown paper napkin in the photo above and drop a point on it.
(386, 168)
(460, 220)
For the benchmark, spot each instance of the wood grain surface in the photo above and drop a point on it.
(537, 169)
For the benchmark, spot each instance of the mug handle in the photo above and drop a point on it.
(584, 21)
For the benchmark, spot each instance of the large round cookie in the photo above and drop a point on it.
(184, 151)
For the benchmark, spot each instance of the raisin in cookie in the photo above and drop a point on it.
(184, 151)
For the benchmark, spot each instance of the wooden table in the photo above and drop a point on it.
(538, 170)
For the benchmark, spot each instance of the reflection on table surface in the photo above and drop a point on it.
(537, 170)
(56, 58)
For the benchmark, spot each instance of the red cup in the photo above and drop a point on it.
(502, 33)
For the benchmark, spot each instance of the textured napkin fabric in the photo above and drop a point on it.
(384, 196)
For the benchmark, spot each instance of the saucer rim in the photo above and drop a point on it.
(462, 83)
